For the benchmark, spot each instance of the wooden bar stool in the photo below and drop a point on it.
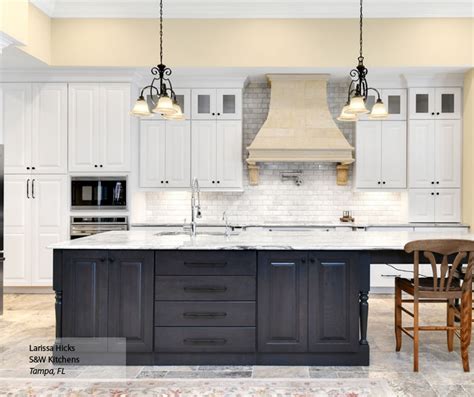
(444, 286)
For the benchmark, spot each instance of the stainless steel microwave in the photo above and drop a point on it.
(101, 193)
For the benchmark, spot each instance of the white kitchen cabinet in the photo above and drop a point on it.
(381, 155)
(448, 163)
(203, 154)
(217, 154)
(434, 153)
(435, 103)
(34, 127)
(165, 160)
(99, 127)
(434, 205)
(395, 101)
(219, 104)
(183, 97)
(35, 217)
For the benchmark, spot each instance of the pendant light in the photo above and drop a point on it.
(160, 91)
(359, 89)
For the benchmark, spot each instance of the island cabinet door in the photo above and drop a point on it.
(333, 302)
(130, 313)
(85, 297)
(282, 301)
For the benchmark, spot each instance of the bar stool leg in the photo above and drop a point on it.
(398, 316)
(466, 319)
(450, 323)
(415, 334)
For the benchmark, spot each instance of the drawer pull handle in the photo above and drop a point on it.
(205, 289)
(205, 341)
(391, 275)
(204, 314)
(204, 265)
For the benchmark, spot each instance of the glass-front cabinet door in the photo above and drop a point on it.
(395, 101)
(422, 103)
(204, 104)
(448, 103)
(229, 104)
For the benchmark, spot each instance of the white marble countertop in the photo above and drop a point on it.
(258, 239)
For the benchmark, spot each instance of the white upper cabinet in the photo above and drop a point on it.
(395, 101)
(34, 127)
(99, 127)
(203, 154)
(422, 205)
(421, 153)
(448, 155)
(16, 126)
(368, 154)
(435, 154)
(49, 129)
(84, 127)
(381, 155)
(435, 103)
(217, 154)
(183, 97)
(114, 127)
(229, 154)
(165, 159)
(219, 104)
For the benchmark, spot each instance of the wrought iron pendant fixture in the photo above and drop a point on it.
(162, 96)
(359, 89)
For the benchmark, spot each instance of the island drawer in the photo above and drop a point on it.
(205, 339)
(196, 263)
(208, 288)
(212, 314)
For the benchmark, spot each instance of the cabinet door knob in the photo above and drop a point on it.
(378, 182)
(383, 182)
(303, 260)
(213, 181)
(437, 193)
(95, 165)
(218, 181)
(101, 166)
(312, 260)
(432, 182)
(437, 113)
(167, 181)
(27, 168)
(432, 113)
(33, 168)
(437, 182)
(213, 114)
(102, 259)
(111, 259)
(432, 193)
(218, 114)
(162, 182)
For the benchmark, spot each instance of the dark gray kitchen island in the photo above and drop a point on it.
(299, 298)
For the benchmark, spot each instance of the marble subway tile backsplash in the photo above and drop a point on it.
(317, 200)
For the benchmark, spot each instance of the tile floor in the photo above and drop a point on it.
(32, 316)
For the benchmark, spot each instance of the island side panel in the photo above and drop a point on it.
(58, 289)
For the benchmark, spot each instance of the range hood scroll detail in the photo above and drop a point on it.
(299, 127)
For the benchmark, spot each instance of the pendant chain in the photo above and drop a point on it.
(361, 27)
(161, 31)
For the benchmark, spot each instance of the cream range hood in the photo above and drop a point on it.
(299, 127)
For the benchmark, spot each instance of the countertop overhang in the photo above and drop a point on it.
(258, 240)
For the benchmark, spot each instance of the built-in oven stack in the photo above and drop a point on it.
(83, 226)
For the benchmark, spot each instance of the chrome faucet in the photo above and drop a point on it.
(195, 205)
(225, 218)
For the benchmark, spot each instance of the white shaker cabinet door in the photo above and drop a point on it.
(49, 223)
(421, 154)
(448, 136)
(49, 128)
(18, 235)
(152, 153)
(114, 144)
(421, 205)
(229, 154)
(394, 173)
(84, 127)
(368, 154)
(203, 152)
(448, 205)
(178, 154)
(15, 117)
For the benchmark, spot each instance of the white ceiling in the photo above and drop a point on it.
(256, 8)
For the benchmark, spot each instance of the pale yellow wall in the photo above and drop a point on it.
(468, 149)
(14, 19)
(39, 35)
(262, 42)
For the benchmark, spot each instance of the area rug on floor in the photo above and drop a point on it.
(199, 388)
